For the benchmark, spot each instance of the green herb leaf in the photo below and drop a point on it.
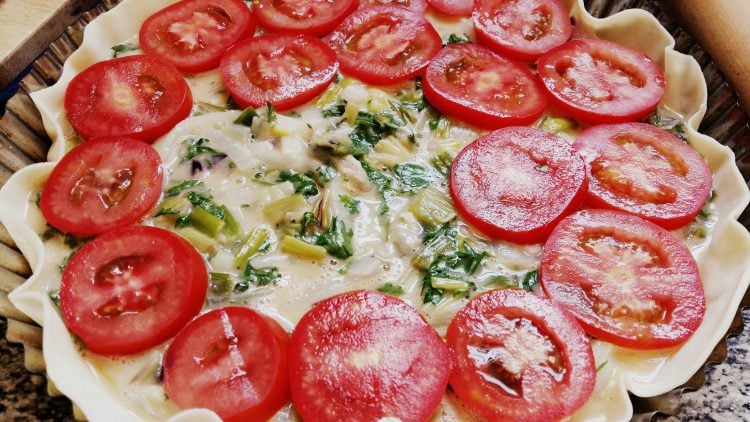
(54, 296)
(336, 110)
(270, 112)
(303, 182)
(196, 147)
(414, 177)
(338, 240)
(371, 128)
(260, 276)
(123, 48)
(391, 289)
(530, 280)
(384, 184)
(350, 203)
(458, 39)
(324, 174)
(175, 190)
(246, 117)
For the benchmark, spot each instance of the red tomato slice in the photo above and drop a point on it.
(193, 34)
(471, 83)
(453, 7)
(646, 171)
(629, 282)
(516, 183)
(521, 29)
(384, 45)
(599, 81)
(232, 361)
(131, 289)
(102, 184)
(519, 356)
(139, 96)
(286, 70)
(312, 17)
(363, 356)
(418, 6)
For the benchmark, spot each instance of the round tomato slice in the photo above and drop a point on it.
(102, 184)
(384, 45)
(139, 96)
(232, 361)
(646, 171)
(599, 81)
(471, 83)
(285, 70)
(193, 34)
(365, 356)
(628, 281)
(516, 183)
(131, 289)
(453, 7)
(312, 17)
(519, 356)
(521, 29)
(418, 6)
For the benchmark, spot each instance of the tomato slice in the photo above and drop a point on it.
(102, 184)
(138, 96)
(286, 70)
(453, 7)
(471, 83)
(628, 281)
(599, 81)
(131, 289)
(646, 171)
(312, 17)
(364, 356)
(384, 45)
(521, 29)
(193, 34)
(516, 183)
(418, 6)
(232, 361)
(519, 356)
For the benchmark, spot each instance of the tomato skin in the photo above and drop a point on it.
(316, 18)
(516, 183)
(359, 44)
(213, 25)
(522, 30)
(137, 96)
(628, 85)
(362, 356)
(231, 360)
(646, 171)
(70, 203)
(418, 6)
(251, 70)
(453, 7)
(628, 281)
(487, 328)
(465, 80)
(131, 289)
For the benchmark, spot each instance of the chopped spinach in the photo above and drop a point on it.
(337, 241)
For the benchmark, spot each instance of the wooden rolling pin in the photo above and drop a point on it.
(722, 29)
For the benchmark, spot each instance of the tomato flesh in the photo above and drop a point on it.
(312, 17)
(138, 96)
(516, 183)
(453, 7)
(231, 360)
(471, 83)
(131, 289)
(363, 356)
(518, 356)
(628, 281)
(102, 184)
(521, 29)
(418, 6)
(194, 34)
(384, 45)
(646, 171)
(285, 70)
(599, 81)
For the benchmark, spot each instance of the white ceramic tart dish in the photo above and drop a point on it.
(126, 389)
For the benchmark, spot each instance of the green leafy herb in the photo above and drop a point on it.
(413, 177)
(338, 240)
(308, 222)
(196, 147)
(270, 112)
(324, 174)
(246, 117)
(188, 184)
(260, 276)
(601, 366)
(303, 182)
(350, 203)
(530, 280)
(69, 240)
(391, 289)
(54, 296)
(123, 48)
(384, 184)
(458, 39)
(371, 128)
(221, 283)
(336, 110)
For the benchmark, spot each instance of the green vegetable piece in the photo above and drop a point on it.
(350, 203)
(391, 289)
(246, 117)
(54, 296)
(502, 281)
(270, 112)
(430, 251)
(206, 222)
(324, 174)
(530, 280)
(336, 110)
(557, 124)
(196, 147)
(123, 48)
(250, 245)
(302, 249)
(200, 240)
(277, 210)
(432, 208)
(303, 182)
(231, 225)
(338, 240)
(260, 276)
(414, 177)
(188, 184)
(384, 184)
(449, 284)
(221, 283)
(333, 92)
(458, 39)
